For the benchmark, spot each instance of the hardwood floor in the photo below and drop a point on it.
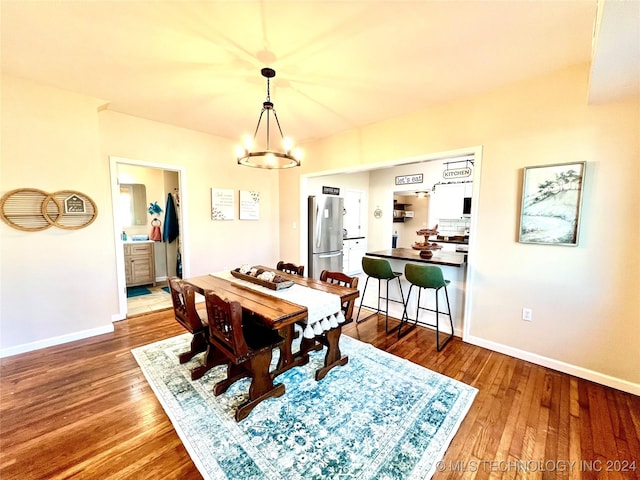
(85, 410)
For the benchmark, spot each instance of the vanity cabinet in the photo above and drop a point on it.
(139, 264)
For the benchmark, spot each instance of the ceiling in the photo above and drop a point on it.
(339, 64)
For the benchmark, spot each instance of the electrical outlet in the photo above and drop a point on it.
(527, 314)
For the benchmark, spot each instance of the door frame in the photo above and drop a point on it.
(117, 228)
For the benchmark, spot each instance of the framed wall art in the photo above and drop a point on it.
(551, 201)
(222, 204)
(249, 205)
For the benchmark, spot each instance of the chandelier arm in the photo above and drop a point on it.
(268, 134)
(258, 125)
(275, 115)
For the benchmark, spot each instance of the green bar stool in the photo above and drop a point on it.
(426, 276)
(379, 269)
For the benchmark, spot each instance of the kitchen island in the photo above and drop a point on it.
(451, 259)
(453, 265)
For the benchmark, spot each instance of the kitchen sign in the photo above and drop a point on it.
(408, 179)
(456, 173)
(331, 190)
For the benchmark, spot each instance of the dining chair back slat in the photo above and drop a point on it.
(184, 305)
(225, 327)
(291, 268)
(186, 314)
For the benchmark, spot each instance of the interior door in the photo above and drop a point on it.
(353, 203)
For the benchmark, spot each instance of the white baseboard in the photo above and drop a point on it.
(50, 342)
(581, 372)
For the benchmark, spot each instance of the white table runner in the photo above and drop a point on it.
(324, 309)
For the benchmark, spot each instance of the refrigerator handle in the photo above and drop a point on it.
(330, 255)
(318, 222)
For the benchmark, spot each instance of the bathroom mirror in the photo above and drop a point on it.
(133, 204)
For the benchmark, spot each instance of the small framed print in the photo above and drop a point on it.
(249, 205)
(222, 204)
(551, 202)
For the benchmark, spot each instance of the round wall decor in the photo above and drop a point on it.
(32, 210)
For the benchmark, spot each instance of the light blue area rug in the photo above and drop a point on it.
(378, 417)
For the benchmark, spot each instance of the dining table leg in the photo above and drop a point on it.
(287, 358)
(333, 357)
(212, 358)
(261, 387)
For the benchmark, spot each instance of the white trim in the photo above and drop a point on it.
(470, 273)
(50, 342)
(601, 378)
(117, 228)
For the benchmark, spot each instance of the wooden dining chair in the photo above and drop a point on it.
(187, 315)
(331, 338)
(184, 309)
(247, 345)
(290, 268)
(340, 278)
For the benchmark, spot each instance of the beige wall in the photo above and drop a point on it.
(586, 308)
(54, 283)
(210, 163)
(59, 285)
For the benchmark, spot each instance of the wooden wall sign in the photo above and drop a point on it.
(32, 210)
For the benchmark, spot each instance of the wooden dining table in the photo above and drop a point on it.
(282, 315)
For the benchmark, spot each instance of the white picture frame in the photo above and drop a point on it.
(222, 204)
(249, 205)
(551, 204)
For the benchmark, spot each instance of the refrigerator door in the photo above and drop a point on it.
(326, 261)
(325, 223)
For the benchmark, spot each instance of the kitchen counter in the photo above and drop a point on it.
(457, 240)
(453, 266)
(451, 259)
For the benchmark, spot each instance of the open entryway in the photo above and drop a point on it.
(150, 232)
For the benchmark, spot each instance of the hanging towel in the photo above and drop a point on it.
(156, 234)
(171, 229)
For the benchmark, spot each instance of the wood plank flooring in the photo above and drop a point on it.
(84, 410)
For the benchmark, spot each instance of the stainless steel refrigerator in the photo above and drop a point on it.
(325, 233)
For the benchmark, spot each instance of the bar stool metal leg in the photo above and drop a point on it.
(379, 269)
(426, 276)
(386, 324)
(358, 320)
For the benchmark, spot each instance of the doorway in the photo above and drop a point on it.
(379, 228)
(164, 184)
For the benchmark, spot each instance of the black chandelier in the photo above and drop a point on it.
(268, 158)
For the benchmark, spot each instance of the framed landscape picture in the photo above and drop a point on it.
(551, 199)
